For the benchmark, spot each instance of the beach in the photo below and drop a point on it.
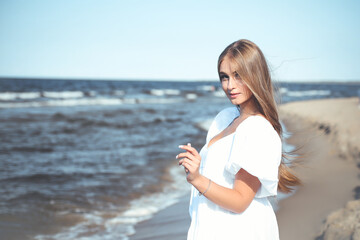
(82, 178)
(327, 134)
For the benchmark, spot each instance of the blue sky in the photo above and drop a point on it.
(176, 40)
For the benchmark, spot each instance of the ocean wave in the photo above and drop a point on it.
(219, 93)
(118, 92)
(31, 149)
(207, 88)
(204, 125)
(160, 100)
(29, 196)
(63, 94)
(307, 93)
(90, 93)
(283, 90)
(121, 225)
(64, 102)
(8, 96)
(164, 92)
(101, 123)
(85, 122)
(11, 96)
(191, 96)
(89, 122)
(91, 102)
(39, 178)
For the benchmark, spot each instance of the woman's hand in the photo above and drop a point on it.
(190, 160)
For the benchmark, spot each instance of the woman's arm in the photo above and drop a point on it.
(236, 199)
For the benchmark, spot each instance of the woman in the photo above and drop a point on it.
(241, 164)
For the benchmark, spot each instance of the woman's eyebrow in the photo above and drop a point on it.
(222, 73)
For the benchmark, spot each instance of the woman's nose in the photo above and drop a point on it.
(231, 83)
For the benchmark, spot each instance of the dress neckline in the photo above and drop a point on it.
(219, 140)
(207, 144)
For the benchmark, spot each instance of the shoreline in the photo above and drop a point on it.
(170, 223)
(329, 177)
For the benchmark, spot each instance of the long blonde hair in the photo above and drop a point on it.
(250, 64)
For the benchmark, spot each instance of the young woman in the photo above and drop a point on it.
(241, 164)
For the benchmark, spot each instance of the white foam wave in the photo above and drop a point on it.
(64, 102)
(164, 92)
(88, 102)
(207, 88)
(205, 125)
(283, 90)
(119, 92)
(308, 93)
(191, 96)
(64, 94)
(219, 93)
(8, 96)
(122, 225)
(91, 93)
(159, 100)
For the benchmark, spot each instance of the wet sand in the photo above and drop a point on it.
(170, 223)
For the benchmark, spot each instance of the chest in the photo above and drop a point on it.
(215, 158)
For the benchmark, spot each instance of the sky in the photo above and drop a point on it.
(176, 40)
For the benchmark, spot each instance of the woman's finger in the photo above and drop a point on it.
(189, 156)
(189, 148)
(186, 160)
(188, 165)
(181, 164)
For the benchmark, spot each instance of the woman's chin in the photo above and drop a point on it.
(239, 100)
(234, 101)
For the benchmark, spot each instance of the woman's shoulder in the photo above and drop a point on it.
(257, 121)
(228, 113)
(259, 126)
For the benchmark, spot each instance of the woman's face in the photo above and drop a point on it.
(232, 84)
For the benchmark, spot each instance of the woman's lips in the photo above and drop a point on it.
(234, 95)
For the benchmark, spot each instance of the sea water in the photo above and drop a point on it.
(89, 159)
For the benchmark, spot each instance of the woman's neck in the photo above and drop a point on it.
(248, 108)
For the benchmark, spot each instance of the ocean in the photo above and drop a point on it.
(86, 159)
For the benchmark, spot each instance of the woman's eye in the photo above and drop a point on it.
(223, 78)
(237, 76)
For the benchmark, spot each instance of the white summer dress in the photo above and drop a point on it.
(256, 147)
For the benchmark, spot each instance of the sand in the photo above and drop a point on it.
(170, 223)
(338, 118)
(328, 132)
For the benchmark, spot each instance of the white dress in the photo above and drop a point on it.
(256, 147)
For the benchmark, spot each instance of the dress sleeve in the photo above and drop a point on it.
(257, 149)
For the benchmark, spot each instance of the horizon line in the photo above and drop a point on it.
(173, 80)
